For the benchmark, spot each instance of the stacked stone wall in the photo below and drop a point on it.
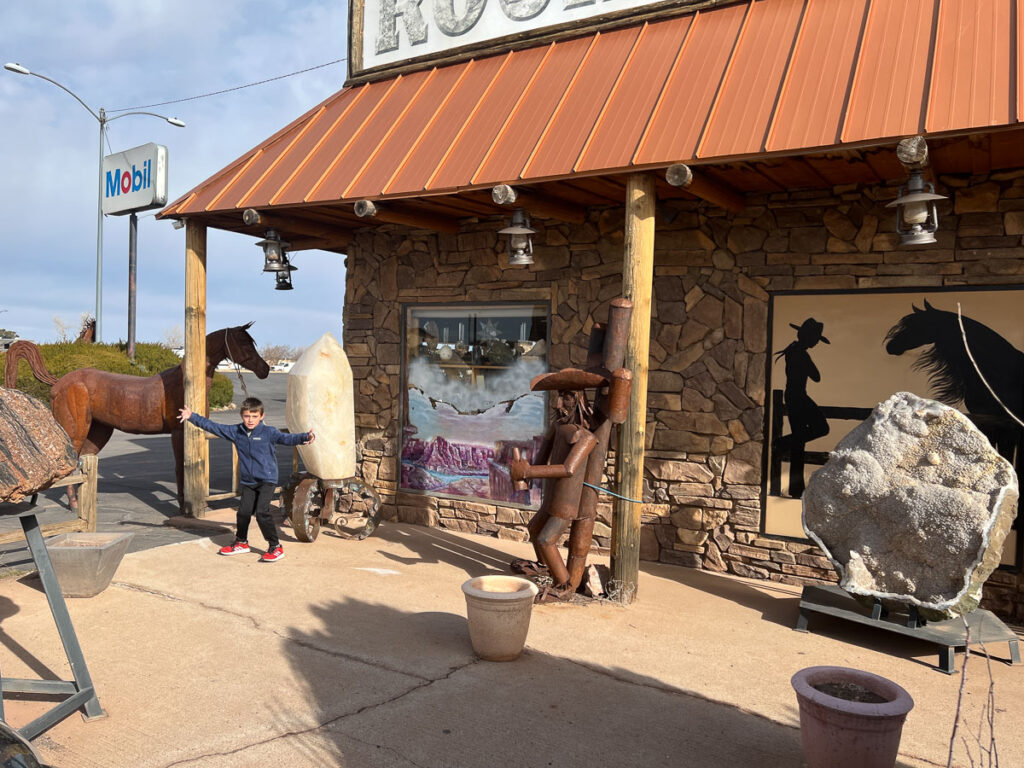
(714, 274)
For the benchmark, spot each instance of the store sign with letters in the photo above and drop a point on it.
(135, 180)
(388, 33)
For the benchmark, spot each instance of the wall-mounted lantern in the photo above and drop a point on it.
(917, 215)
(520, 242)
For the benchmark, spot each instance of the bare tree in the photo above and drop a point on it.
(275, 353)
(174, 337)
(62, 327)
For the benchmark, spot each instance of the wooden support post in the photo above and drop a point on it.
(197, 451)
(637, 285)
(87, 491)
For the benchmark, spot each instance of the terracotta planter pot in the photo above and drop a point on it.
(838, 733)
(498, 609)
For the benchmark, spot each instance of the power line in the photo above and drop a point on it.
(229, 90)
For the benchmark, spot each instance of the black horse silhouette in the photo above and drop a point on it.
(953, 378)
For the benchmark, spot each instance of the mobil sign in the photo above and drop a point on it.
(135, 180)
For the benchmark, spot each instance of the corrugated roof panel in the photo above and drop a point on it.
(253, 179)
(405, 139)
(743, 108)
(329, 145)
(742, 80)
(292, 163)
(888, 94)
(1019, 59)
(471, 147)
(565, 135)
(614, 140)
(972, 75)
(810, 110)
(366, 143)
(526, 124)
(447, 125)
(683, 107)
(209, 194)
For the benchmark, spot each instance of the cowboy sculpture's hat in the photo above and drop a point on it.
(811, 328)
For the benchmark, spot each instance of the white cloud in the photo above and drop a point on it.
(116, 54)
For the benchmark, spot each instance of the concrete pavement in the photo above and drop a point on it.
(357, 654)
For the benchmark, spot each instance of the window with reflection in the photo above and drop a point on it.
(467, 404)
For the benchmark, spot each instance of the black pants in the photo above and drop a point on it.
(257, 498)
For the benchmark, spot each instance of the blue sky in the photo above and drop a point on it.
(123, 53)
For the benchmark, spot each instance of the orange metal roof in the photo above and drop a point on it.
(733, 82)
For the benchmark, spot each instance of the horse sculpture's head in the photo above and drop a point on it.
(914, 330)
(241, 350)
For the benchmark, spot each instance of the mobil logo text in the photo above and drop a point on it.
(128, 180)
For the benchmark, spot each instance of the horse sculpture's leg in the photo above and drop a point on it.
(70, 407)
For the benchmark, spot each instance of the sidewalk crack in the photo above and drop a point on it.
(426, 682)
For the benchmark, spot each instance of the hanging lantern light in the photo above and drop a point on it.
(520, 242)
(917, 215)
(283, 276)
(273, 247)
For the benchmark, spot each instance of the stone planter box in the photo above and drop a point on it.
(85, 562)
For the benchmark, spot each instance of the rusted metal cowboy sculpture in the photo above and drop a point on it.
(572, 457)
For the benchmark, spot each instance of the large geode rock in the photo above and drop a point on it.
(34, 450)
(913, 506)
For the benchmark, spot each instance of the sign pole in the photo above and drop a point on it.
(133, 241)
(99, 239)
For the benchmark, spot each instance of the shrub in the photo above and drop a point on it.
(63, 357)
(221, 391)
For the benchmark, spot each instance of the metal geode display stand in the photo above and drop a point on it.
(80, 691)
(985, 626)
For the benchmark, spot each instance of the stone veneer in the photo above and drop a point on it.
(714, 272)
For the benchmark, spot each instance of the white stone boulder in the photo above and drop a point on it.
(913, 506)
(320, 397)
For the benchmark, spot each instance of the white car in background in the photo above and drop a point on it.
(282, 367)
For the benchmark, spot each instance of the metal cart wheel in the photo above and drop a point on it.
(305, 510)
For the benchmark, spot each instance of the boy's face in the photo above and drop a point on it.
(251, 418)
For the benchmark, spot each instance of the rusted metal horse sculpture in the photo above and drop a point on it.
(90, 404)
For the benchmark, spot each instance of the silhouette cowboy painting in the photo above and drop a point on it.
(806, 421)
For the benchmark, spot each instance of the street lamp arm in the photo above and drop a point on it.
(172, 120)
(19, 69)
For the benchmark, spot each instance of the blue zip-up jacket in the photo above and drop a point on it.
(257, 460)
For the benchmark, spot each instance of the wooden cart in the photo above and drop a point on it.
(311, 502)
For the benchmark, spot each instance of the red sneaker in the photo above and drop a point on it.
(272, 555)
(235, 548)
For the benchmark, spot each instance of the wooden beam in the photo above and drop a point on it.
(289, 226)
(912, 152)
(197, 452)
(367, 209)
(637, 286)
(337, 243)
(537, 204)
(722, 195)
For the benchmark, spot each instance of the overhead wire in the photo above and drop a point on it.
(229, 90)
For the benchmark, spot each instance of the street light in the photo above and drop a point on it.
(102, 119)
